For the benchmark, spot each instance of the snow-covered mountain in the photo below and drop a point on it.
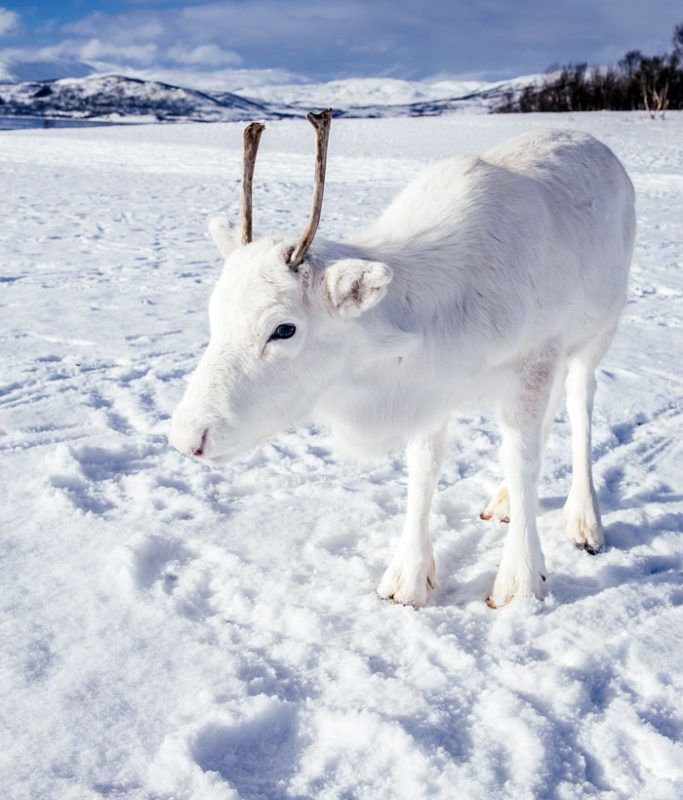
(389, 97)
(483, 98)
(361, 92)
(117, 97)
(113, 96)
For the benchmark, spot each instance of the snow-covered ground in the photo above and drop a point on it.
(173, 631)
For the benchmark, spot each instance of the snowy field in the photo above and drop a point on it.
(171, 631)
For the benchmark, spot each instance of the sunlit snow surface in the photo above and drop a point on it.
(173, 631)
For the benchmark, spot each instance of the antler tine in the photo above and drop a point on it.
(252, 137)
(321, 122)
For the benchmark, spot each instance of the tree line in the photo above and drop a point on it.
(649, 83)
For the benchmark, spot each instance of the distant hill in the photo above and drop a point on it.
(113, 97)
(361, 92)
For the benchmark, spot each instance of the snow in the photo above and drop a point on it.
(173, 631)
(355, 92)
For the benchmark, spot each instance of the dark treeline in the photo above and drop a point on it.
(650, 83)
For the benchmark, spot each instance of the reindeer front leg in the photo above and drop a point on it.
(522, 567)
(412, 570)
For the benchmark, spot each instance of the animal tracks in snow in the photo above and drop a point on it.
(151, 560)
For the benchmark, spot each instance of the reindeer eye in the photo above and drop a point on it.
(284, 331)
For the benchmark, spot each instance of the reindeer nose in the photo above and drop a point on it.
(199, 449)
(188, 437)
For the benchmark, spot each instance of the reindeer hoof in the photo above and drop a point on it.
(487, 517)
(583, 527)
(516, 584)
(408, 583)
(498, 508)
(592, 550)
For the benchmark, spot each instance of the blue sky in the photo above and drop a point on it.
(229, 42)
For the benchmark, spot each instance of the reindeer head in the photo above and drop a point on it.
(282, 320)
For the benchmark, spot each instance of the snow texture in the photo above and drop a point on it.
(174, 631)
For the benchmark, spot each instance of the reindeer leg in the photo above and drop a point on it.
(522, 568)
(581, 510)
(412, 570)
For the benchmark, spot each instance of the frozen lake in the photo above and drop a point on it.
(23, 123)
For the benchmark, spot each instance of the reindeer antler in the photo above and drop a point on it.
(321, 122)
(252, 137)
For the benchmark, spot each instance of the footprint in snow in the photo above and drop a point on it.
(149, 560)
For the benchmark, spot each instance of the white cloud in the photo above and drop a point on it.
(209, 55)
(238, 81)
(203, 41)
(9, 20)
(92, 50)
(97, 50)
(73, 58)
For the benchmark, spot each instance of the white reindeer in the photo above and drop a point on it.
(498, 278)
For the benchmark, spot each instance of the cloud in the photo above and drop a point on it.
(205, 42)
(72, 58)
(97, 50)
(209, 55)
(9, 20)
(27, 64)
(239, 81)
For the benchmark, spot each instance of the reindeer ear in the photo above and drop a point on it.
(224, 234)
(354, 285)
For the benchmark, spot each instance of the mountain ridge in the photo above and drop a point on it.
(117, 97)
